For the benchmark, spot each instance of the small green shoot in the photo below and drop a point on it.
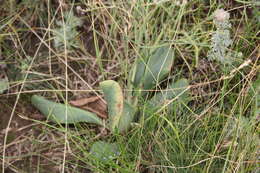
(67, 31)
(4, 85)
(104, 152)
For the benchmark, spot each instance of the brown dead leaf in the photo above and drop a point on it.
(84, 101)
(93, 104)
(98, 107)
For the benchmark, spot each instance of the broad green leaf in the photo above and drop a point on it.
(4, 85)
(104, 152)
(158, 66)
(127, 117)
(115, 100)
(139, 72)
(178, 90)
(57, 112)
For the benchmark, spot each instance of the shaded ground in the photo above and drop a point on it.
(31, 146)
(20, 149)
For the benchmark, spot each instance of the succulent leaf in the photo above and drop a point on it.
(149, 74)
(115, 102)
(127, 117)
(177, 90)
(57, 112)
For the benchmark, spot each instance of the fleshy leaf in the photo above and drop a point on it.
(126, 118)
(57, 112)
(4, 85)
(139, 72)
(157, 68)
(176, 89)
(104, 152)
(114, 98)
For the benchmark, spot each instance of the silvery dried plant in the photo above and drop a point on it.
(221, 41)
(67, 31)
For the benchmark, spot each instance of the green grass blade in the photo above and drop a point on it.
(256, 93)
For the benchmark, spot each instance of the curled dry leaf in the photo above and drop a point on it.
(84, 101)
(93, 104)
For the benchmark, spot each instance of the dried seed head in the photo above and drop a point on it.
(221, 15)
